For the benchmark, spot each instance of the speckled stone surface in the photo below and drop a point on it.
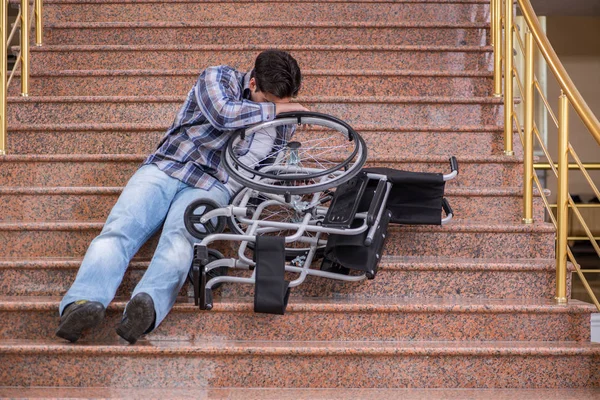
(478, 240)
(127, 139)
(115, 170)
(375, 319)
(314, 83)
(473, 240)
(82, 139)
(301, 364)
(275, 33)
(404, 277)
(303, 394)
(472, 58)
(430, 111)
(455, 11)
(46, 204)
(449, 308)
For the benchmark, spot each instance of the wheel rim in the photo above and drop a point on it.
(321, 156)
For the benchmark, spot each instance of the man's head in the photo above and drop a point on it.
(276, 77)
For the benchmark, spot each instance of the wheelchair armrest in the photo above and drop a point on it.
(376, 202)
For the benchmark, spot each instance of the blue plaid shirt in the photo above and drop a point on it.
(217, 105)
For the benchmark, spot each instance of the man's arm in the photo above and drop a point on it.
(221, 105)
(220, 102)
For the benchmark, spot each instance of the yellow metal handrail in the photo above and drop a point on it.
(25, 22)
(506, 76)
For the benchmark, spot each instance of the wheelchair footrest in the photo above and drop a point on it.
(271, 290)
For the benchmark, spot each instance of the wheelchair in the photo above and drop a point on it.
(305, 207)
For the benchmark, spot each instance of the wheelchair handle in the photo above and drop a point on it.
(453, 169)
(447, 210)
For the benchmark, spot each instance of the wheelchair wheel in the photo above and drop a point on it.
(325, 152)
(194, 212)
(278, 211)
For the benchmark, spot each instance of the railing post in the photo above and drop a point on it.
(24, 47)
(38, 23)
(528, 132)
(3, 70)
(508, 78)
(562, 201)
(497, 43)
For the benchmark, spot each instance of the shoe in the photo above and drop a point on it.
(138, 319)
(77, 316)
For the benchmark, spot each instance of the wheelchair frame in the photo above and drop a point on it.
(312, 221)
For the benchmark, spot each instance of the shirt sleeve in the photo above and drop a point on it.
(219, 99)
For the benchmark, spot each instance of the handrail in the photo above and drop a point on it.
(507, 80)
(25, 22)
(559, 71)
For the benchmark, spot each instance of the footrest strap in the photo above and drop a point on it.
(271, 290)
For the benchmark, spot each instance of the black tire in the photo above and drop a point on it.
(294, 183)
(191, 219)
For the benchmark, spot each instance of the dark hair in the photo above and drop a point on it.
(277, 72)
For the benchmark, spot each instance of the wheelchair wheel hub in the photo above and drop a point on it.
(294, 157)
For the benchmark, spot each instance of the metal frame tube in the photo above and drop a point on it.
(508, 78)
(24, 47)
(528, 131)
(497, 43)
(562, 201)
(38, 23)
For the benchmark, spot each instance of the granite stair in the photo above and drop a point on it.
(466, 308)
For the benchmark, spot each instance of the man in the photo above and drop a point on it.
(185, 167)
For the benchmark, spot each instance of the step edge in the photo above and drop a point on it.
(182, 48)
(494, 129)
(308, 99)
(389, 262)
(305, 73)
(289, 348)
(339, 306)
(266, 24)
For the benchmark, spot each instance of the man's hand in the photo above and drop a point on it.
(289, 107)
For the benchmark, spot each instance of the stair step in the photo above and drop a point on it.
(339, 319)
(314, 83)
(143, 138)
(250, 12)
(115, 170)
(301, 394)
(407, 277)
(46, 204)
(162, 109)
(453, 58)
(274, 32)
(220, 363)
(460, 239)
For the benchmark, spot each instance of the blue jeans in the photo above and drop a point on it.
(151, 199)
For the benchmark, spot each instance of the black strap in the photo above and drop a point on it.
(271, 291)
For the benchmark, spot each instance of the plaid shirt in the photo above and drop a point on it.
(217, 105)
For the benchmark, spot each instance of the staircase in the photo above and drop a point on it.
(469, 305)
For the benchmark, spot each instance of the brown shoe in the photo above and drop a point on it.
(138, 319)
(77, 316)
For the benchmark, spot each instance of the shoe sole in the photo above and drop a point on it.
(84, 318)
(140, 315)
